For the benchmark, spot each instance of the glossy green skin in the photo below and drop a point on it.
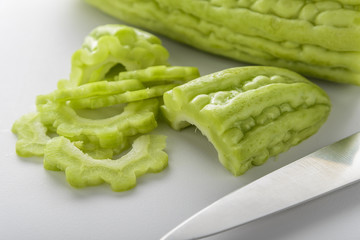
(316, 38)
(146, 156)
(249, 113)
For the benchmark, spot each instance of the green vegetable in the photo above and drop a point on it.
(157, 74)
(122, 72)
(32, 135)
(127, 86)
(115, 47)
(249, 113)
(129, 96)
(98, 152)
(316, 38)
(137, 117)
(81, 170)
(96, 89)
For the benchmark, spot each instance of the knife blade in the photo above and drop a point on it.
(326, 170)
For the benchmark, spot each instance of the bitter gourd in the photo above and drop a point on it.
(249, 113)
(129, 96)
(81, 170)
(318, 38)
(137, 117)
(116, 64)
(115, 46)
(32, 135)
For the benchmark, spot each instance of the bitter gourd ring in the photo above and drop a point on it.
(110, 45)
(146, 156)
(116, 64)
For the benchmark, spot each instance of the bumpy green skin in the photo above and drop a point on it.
(31, 134)
(249, 113)
(316, 38)
(146, 156)
(109, 45)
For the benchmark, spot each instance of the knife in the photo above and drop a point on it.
(326, 170)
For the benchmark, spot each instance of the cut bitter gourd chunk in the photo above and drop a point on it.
(315, 38)
(249, 113)
(146, 156)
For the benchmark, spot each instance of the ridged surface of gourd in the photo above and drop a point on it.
(249, 113)
(315, 38)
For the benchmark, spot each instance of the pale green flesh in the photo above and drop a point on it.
(137, 117)
(122, 72)
(129, 96)
(248, 108)
(249, 113)
(99, 88)
(161, 73)
(32, 135)
(110, 45)
(81, 170)
(318, 39)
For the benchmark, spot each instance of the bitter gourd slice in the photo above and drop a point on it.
(117, 65)
(114, 46)
(94, 89)
(97, 152)
(249, 113)
(32, 136)
(129, 96)
(316, 38)
(157, 74)
(81, 170)
(112, 132)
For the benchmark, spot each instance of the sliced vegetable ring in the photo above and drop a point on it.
(146, 156)
(109, 46)
(117, 65)
(32, 135)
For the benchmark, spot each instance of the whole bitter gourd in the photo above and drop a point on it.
(249, 113)
(318, 38)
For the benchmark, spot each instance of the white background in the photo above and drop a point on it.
(37, 39)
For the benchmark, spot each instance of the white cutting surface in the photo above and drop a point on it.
(37, 39)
